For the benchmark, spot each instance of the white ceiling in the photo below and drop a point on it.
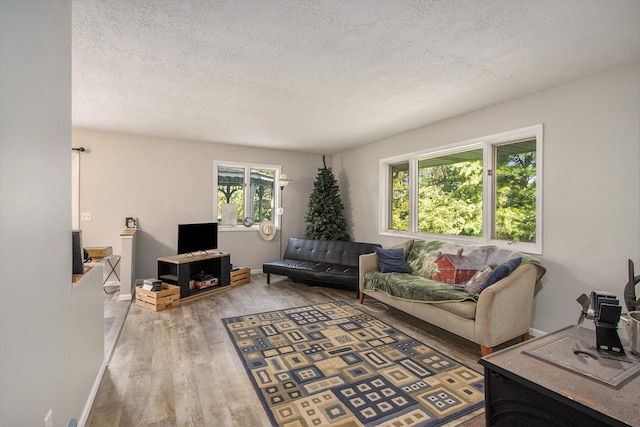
(326, 75)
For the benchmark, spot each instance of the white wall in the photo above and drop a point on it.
(165, 182)
(591, 172)
(51, 337)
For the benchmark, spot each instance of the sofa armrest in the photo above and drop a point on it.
(367, 262)
(504, 308)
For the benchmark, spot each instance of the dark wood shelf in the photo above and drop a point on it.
(179, 270)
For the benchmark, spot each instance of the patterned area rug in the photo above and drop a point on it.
(332, 364)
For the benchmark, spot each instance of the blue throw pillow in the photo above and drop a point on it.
(391, 260)
(502, 271)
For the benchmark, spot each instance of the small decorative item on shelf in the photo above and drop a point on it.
(131, 223)
(247, 221)
(202, 281)
(152, 285)
(207, 283)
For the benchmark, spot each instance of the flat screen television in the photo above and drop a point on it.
(197, 238)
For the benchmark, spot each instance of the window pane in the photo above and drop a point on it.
(450, 194)
(231, 189)
(515, 179)
(399, 197)
(262, 189)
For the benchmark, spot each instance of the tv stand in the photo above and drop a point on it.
(179, 270)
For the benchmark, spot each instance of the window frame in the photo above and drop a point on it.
(488, 145)
(248, 198)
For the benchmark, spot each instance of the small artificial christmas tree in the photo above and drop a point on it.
(325, 219)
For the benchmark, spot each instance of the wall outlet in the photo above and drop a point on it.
(48, 420)
(85, 216)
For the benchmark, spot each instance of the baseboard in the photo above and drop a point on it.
(84, 417)
(536, 332)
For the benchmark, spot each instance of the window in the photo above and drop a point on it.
(515, 191)
(245, 190)
(485, 190)
(450, 194)
(400, 196)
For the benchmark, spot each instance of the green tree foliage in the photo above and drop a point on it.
(400, 197)
(450, 199)
(516, 196)
(325, 219)
(450, 194)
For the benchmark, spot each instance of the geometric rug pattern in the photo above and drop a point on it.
(332, 364)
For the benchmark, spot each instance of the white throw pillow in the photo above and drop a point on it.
(474, 284)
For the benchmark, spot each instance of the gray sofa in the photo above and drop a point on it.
(320, 262)
(498, 314)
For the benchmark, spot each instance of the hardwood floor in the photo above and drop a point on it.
(115, 313)
(178, 367)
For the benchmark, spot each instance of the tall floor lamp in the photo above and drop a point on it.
(283, 181)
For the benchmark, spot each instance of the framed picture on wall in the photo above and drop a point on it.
(131, 222)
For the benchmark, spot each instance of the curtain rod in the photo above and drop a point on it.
(80, 149)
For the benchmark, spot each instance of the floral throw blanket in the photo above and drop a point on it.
(415, 288)
(442, 271)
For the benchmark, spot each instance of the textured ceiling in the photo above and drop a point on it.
(326, 75)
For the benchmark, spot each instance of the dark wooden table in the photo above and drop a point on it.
(561, 380)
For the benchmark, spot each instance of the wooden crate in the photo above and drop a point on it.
(168, 297)
(240, 276)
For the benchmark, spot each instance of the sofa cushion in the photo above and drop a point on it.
(327, 251)
(420, 257)
(466, 309)
(391, 260)
(478, 280)
(286, 265)
(501, 271)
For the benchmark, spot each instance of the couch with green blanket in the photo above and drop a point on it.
(481, 293)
